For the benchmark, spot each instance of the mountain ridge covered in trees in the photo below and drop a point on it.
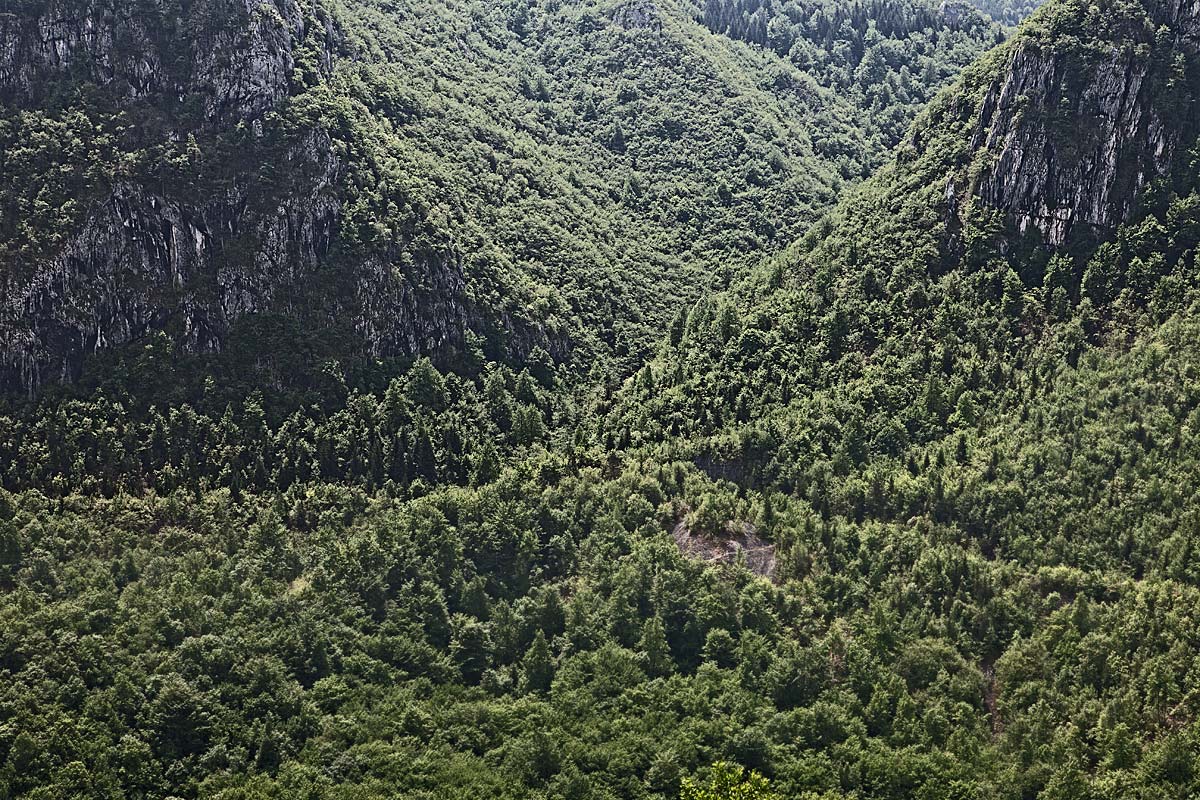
(962, 409)
(454, 177)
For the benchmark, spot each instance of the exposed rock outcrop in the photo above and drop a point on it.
(235, 56)
(738, 541)
(1071, 131)
(146, 259)
(638, 14)
(143, 261)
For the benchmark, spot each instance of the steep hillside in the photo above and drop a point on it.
(1050, 188)
(317, 181)
(908, 512)
(887, 58)
(182, 168)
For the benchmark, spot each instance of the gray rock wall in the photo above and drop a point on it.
(146, 260)
(235, 55)
(1072, 137)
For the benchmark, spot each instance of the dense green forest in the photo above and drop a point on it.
(582, 168)
(889, 499)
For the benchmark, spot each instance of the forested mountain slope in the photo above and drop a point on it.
(962, 413)
(1050, 191)
(359, 181)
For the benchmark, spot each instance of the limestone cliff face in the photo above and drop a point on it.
(1069, 131)
(145, 259)
(235, 56)
(144, 262)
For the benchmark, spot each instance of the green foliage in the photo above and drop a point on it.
(728, 782)
(589, 175)
(885, 59)
(538, 669)
(974, 469)
(1009, 12)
